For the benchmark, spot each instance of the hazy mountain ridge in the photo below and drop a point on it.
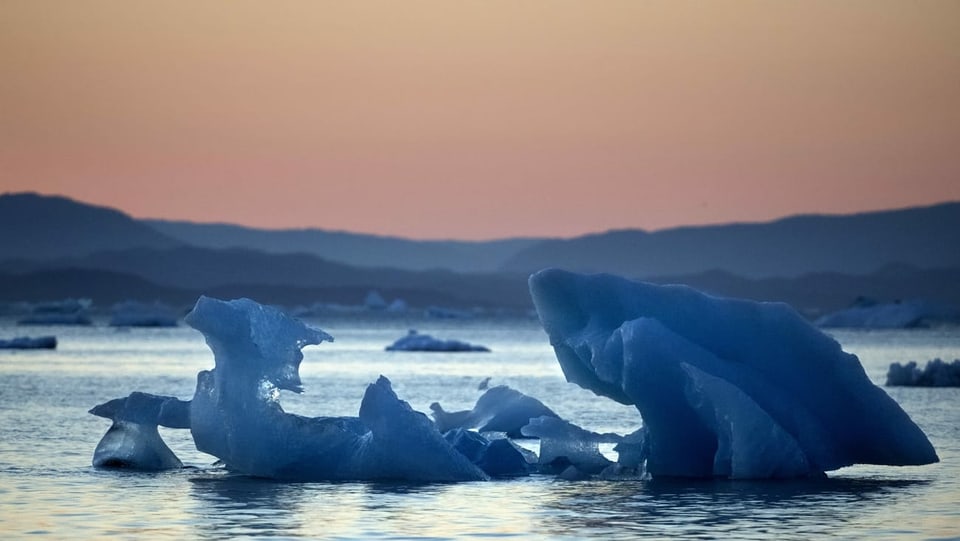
(812, 294)
(107, 287)
(34, 226)
(144, 264)
(924, 237)
(351, 248)
(203, 269)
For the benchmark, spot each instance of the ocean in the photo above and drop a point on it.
(48, 488)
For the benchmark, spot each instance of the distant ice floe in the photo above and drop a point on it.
(374, 301)
(895, 315)
(139, 314)
(415, 341)
(726, 388)
(936, 373)
(26, 342)
(65, 312)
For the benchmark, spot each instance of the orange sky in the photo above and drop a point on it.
(484, 119)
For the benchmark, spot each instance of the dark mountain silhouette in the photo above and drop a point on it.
(925, 237)
(817, 293)
(351, 248)
(107, 287)
(202, 269)
(812, 294)
(36, 226)
(56, 248)
(104, 287)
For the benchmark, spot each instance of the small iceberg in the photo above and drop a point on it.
(133, 441)
(499, 409)
(26, 342)
(415, 341)
(936, 373)
(139, 314)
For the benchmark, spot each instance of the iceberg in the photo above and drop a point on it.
(138, 314)
(895, 315)
(499, 409)
(415, 341)
(497, 458)
(133, 441)
(26, 342)
(565, 443)
(936, 373)
(236, 414)
(725, 388)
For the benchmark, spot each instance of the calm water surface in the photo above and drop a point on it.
(48, 488)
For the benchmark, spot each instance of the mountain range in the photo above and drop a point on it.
(54, 246)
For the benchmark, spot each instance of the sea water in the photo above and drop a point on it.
(49, 489)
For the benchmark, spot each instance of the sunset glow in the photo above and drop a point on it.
(435, 119)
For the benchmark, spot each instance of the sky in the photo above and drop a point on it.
(478, 120)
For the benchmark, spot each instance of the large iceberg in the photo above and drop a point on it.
(236, 415)
(726, 388)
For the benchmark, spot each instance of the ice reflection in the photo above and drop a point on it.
(711, 509)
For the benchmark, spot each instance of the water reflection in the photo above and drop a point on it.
(229, 506)
(710, 509)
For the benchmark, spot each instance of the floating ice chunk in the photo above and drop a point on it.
(569, 444)
(415, 341)
(236, 414)
(725, 387)
(398, 306)
(440, 312)
(404, 444)
(897, 315)
(374, 301)
(132, 441)
(497, 458)
(936, 373)
(499, 409)
(502, 458)
(26, 342)
(138, 314)
(146, 408)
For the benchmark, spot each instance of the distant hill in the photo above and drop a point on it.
(813, 294)
(203, 269)
(36, 226)
(351, 248)
(924, 237)
(107, 287)
(817, 293)
(54, 247)
(104, 287)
